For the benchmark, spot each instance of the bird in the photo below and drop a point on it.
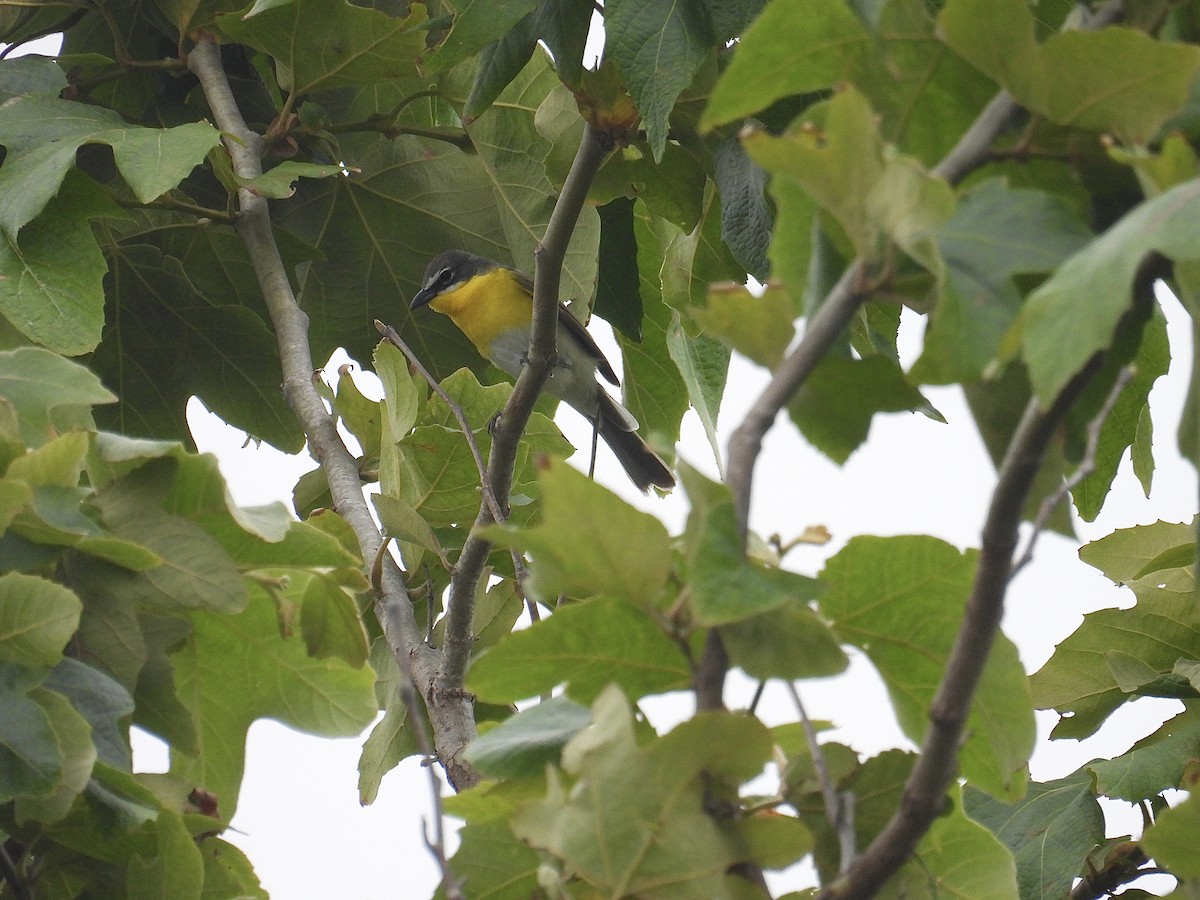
(492, 304)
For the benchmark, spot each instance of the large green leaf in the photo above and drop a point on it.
(1128, 425)
(589, 542)
(794, 47)
(274, 677)
(48, 393)
(1155, 763)
(836, 404)
(524, 744)
(659, 46)
(635, 822)
(1117, 654)
(42, 135)
(1073, 314)
(995, 233)
(586, 645)
(998, 37)
(37, 618)
(837, 156)
(476, 24)
(52, 290)
(324, 44)
(1049, 832)
(1171, 839)
(226, 355)
(901, 600)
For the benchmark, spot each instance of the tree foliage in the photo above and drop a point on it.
(200, 199)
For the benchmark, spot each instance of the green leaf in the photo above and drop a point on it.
(835, 406)
(760, 328)
(839, 163)
(330, 623)
(102, 702)
(586, 645)
(175, 869)
(724, 586)
(476, 24)
(326, 44)
(37, 618)
(74, 739)
(901, 601)
(634, 822)
(227, 871)
(389, 741)
(48, 392)
(401, 521)
(996, 232)
(276, 678)
(837, 156)
(1078, 680)
(1120, 430)
(1049, 832)
(279, 182)
(618, 294)
(653, 389)
(52, 291)
(746, 217)
(1073, 314)
(493, 864)
(658, 46)
(964, 859)
(589, 541)
(1155, 763)
(31, 758)
(524, 744)
(30, 74)
(794, 47)
(1171, 839)
(999, 39)
(43, 133)
(226, 355)
(361, 416)
(790, 642)
(195, 572)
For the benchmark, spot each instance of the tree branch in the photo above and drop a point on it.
(925, 790)
(508, 428)
(452, 717)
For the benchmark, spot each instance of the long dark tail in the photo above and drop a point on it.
(640, 463)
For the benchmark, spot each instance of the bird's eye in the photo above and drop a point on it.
(444, 277)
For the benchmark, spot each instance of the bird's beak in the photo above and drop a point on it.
(422, 298)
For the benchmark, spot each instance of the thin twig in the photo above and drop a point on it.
(833, 800)
(1087, 466)
(484, 481)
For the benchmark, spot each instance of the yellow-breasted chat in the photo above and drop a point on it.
(493, 306)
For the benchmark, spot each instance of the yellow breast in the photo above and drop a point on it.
(487, 306)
